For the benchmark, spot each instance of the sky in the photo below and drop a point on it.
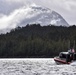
(10, 8)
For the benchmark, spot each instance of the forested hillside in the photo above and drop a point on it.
(36, 41)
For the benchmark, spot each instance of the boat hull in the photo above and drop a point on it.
(60, 61)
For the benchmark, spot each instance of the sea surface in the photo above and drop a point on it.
(33, 66)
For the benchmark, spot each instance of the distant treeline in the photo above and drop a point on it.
(36, 41)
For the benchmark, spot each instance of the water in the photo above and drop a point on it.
(34, 67)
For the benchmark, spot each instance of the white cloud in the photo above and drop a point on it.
(67, 8)
(10, 10)
(12, 20)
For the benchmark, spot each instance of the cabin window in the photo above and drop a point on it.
(62, 55)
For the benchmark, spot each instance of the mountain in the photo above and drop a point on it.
(43, 16)
(32, 14)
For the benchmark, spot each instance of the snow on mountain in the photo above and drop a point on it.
(30, 15)
(43, 16)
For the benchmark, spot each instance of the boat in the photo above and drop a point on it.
(68, 57)
(65, 57)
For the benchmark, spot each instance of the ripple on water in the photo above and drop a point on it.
(34, 67)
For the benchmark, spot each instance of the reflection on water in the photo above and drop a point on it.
(34, 67)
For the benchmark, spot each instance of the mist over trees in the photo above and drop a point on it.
(36, 41)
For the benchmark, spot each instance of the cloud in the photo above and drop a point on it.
(67, 8)
(12, 11)
(13, 19)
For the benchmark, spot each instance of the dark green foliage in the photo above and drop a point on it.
(36, 41)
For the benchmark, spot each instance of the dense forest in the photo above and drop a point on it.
(36, 41)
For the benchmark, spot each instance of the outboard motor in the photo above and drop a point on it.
(74, 56)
